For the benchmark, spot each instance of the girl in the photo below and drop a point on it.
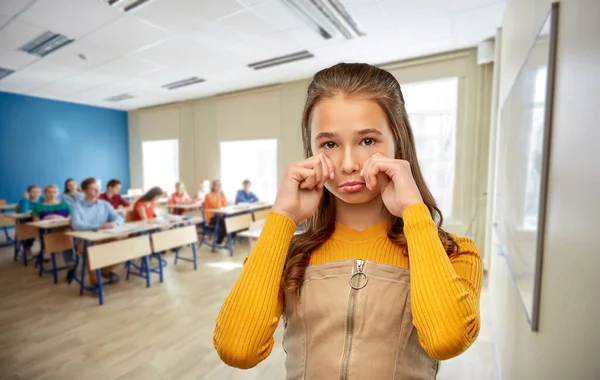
(31, 198)
(144, 207)
(204, 189)
(180, 196)
(373, 289)
(51, 208)
(213, 200)
(72, 193)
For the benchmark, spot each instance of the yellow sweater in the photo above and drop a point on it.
(444, 289)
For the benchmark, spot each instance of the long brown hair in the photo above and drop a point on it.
(151, 194)
(367, 82)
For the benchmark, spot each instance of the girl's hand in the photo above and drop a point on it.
(395, 181)
(302, 187)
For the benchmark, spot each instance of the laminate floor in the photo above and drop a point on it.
(163, 332)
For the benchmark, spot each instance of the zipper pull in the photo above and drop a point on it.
(359, 279)
(360, 265)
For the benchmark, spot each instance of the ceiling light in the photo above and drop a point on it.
(46, 43)
(5, 72)
(183, 83)
(119, 98)
(326, 17)
(126, 5)
(281, 60)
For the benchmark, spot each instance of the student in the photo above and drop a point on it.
(31, 198)
(213, 200)
(179, 197)
(72, 193)
(95, 214)
(245, 195)
(204, 189)
(144, 207)
(52, 208)
(113, 194)
(350, 299)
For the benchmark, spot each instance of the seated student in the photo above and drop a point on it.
(31, 198)
(179, 197)
(215, 199)
(204, 189)
(53, 209)
(113, 194)
(72, 193)
(95, 214)
(144, 207)
(245, 195)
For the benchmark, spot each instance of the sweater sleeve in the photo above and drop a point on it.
(245, 326)
(445, 288)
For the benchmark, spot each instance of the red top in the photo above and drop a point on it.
(116, 200)
(148, 209)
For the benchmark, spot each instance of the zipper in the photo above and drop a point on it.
(356, 286)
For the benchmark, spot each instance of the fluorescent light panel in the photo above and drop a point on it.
(5, 72)
(119, 98)
(183, 83)
(326, 17)
(126, 5)
(298, 56)
(46, 43)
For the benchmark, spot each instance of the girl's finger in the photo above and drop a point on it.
(330, 166)
(325, 170)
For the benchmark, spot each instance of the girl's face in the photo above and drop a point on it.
(51, 193)
(349, 131)
(35, 193)
(72, 186)
(178, 189)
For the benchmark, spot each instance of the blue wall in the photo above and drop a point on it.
(45, 141)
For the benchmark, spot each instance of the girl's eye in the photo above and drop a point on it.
(329, 145)
(368, 142)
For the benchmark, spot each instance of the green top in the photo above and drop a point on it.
(41, 211)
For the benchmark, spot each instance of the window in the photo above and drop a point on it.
(432, 110)
(255, 160)
(160, 163)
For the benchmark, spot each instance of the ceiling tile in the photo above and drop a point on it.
(477, 19)
(173, 51)
(278, 15)
(20, 83)
(250, 3)
(462, 5)
(94, 55)
(432, 29)
(47, 71)
(18, 33)
(4, 20)
(126, 67)
(182, 15)
(90, 79)
(126, 35)
(14, 60)
(411, 11)
(12, 7)
(72, 18)
(61, 88)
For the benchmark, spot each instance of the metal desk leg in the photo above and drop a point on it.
(100, 287)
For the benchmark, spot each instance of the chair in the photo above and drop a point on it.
(23, 232)
(5, 224)
(175, 239)
(103, 255)
(235, 224)
(129, 216)
(54, 243)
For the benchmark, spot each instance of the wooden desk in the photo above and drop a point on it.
(228, 211)
(188, 206)
(5, 224)
(253, 236)
(44, 227)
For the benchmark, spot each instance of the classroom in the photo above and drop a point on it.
(147, 149)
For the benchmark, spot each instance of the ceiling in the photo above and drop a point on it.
(163, 41)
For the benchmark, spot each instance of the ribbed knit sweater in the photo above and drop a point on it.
(444, 289)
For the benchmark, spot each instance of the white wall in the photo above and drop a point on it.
(567, 344)
(276, 112)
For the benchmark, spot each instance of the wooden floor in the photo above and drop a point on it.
(165, 332)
